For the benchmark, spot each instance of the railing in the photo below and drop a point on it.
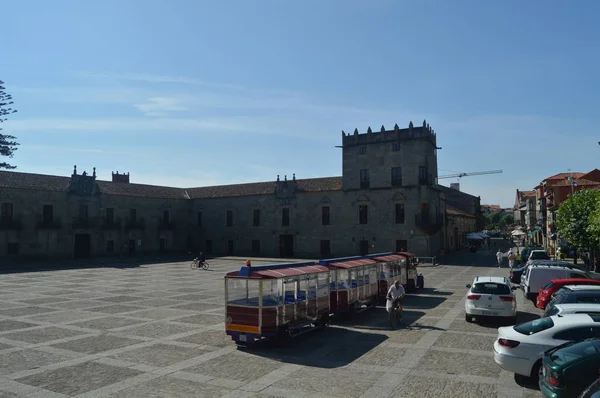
(84, 222)
(111, 223)
(136, 223)
(49, 223)
(427, 261)
(428, 226)
(13, 223)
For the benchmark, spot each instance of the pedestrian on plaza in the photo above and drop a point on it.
(511, 259)
(597, 264)
(499, 257)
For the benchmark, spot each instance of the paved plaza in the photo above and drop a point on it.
(157, 330)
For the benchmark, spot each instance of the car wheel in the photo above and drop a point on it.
(468, 318)
(536, 372)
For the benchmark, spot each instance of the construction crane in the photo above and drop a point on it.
(475, 173)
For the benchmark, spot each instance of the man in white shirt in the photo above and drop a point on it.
(499, 257)
(396, 295)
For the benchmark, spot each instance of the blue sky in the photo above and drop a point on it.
(193, 93)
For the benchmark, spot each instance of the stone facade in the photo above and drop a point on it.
(387, 199)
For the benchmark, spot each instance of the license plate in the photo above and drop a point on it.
(242, 337)
(488, 313)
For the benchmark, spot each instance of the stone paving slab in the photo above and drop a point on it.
(157, 331)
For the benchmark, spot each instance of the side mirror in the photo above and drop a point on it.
(468, 286)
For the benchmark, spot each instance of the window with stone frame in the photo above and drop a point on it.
(325, 217)
(285, 217)
(362, 150)
(256, 218)
(397, 176)
(230, 218)
(363, 214)
(6, 212)
(325, 248)
(423, 178)
(395, 147)
(365, 179)
(400, 213)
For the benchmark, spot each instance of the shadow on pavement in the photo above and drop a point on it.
(433, 292)
(23, 266)
(333, 348)
(526, 382)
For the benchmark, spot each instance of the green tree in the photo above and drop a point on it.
(508, 219)
(577, 219)
(8, 143)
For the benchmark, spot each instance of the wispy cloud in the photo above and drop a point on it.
(161, 106)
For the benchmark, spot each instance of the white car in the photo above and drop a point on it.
(519, 349)
(490, 296)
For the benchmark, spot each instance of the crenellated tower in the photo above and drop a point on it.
(389, 158)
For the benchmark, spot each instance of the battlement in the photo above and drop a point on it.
(397, 134)
(122, 178)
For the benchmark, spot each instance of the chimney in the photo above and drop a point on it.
(455, 185)
(121, 178)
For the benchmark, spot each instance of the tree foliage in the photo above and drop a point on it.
(8, 143)
(495, 221)
(578, 218)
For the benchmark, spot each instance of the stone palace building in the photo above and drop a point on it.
(387, 199)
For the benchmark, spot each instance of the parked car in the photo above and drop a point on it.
(519, 348)
(516, 274)
(573, 308)
(525, 252)
(593, 390)
(537, 276)
(545, 294)
(569, 368)
(490, 296)
(575, 294)
(538, 254)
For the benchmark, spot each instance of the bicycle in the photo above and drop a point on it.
(395, 314)
(197, 263)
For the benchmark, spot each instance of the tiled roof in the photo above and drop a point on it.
(18, 180)
(323, 184)
(527, 194)
(457, 212)
(579, 182)
(565, 175)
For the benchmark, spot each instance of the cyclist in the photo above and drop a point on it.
(201, 258)
(396, 295)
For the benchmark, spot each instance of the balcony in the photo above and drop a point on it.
(427, 225)
(166, 225)
(111, 223)
(135, 223)
(84, 222)
(48, 223)
(10, 223)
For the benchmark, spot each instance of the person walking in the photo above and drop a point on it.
(499, 257)
(511, 259)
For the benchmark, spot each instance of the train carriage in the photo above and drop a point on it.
(411, 271)
(353, 284)
(276, 300)
(392, 267)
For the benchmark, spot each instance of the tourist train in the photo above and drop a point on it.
(282, 300)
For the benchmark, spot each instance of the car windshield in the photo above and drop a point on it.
(548, 286)
(535, 326)
(574, 352)
(539, 255)
(490, 288)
